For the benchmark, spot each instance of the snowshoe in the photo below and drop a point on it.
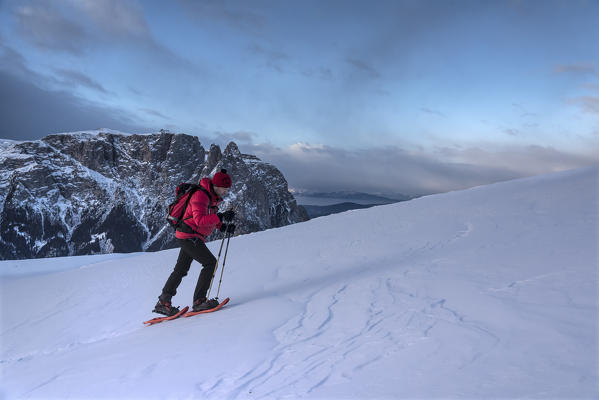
(204, 304)
(165, 308)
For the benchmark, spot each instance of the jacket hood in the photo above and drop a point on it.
(206, 183)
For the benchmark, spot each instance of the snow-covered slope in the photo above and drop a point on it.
(485, 293)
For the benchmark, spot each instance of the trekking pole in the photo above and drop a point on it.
(216, 266)
(218, 259)
(223, 268)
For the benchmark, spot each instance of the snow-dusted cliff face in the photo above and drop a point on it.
(86, 193)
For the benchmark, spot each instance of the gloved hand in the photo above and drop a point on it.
(228, 215)
(231, 229)
(223, 228)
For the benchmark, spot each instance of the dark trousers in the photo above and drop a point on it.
(191, 250)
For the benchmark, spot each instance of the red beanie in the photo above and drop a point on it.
(222, 179)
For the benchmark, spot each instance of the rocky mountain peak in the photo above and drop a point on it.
(85, 193)
(232, 150)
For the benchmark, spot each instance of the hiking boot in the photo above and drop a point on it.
(204, 304)
(164, 307)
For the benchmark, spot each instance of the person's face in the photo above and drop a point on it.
(221, 191)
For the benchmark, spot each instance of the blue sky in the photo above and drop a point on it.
(433, 95)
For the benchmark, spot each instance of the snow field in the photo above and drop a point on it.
(485, 293)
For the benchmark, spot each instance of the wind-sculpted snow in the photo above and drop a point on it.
(485, 293)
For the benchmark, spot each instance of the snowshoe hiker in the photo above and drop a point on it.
(199, 220)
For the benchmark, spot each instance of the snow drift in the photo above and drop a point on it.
(484, 293)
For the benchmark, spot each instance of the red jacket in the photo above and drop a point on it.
(200, 214)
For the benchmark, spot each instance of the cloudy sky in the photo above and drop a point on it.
(398, 96)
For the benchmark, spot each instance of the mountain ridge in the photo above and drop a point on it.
(102, 192)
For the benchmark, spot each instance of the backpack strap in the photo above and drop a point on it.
(203, 189)
(182, 227)
(178, 221)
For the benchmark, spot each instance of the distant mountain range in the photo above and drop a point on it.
(321, 211)
(353, 196)
(318, 204)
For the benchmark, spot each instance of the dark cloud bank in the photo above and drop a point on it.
(33, 105)
(30, 112)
